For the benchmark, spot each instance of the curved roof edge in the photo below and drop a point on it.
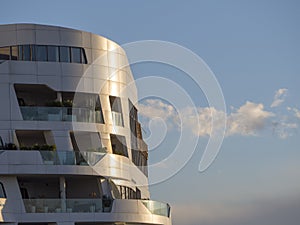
(37, 26)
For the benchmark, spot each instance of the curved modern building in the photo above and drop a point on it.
(71, 146)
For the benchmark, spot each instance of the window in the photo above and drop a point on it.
(25, 53)
(41, 52)
(133, 120)
(116, 111)
(53, 54)
(86, 141)
(14, 53)
(128, 193)
(4, 53)
(76, 55)
(2, 191)
(118, 145)
(64, 54)
(83, 56)
(98, 111)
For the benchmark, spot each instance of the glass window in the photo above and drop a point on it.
(2, 191)
(4, 53)
(115, 103)
(76, 55)
(25, 52)
(98, 111)
(14, 53)
(116, 111)
(83, 57)
(64, 54)
(118, 145)
(20, 50)
(86, 141)
(53, 54)
(41, 52)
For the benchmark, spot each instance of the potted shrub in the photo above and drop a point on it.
(10, 146)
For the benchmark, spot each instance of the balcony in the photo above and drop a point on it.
(39, 113)
(96, 206)
(65, 205)
(157, 208)
(71, 157)
(41, 157)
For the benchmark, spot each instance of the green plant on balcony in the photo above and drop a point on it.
(46, 147)
(10, 146)
(23, 147)
(35, 147)
(54, 104)
(38, 147)
(68, 103)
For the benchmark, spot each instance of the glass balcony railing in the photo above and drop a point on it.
(96, 205)
(64, 205)
(158, 208)
(40, 113)
(117, 118)
(71, 157)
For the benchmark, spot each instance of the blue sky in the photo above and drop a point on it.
(253, 49)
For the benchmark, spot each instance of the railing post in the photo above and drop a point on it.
(62, 188)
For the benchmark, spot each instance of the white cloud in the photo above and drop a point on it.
(156, 108)
(248, 120)
(152, 108)
(297, 113)
(199, 120)
(279, 97)
(295, 110)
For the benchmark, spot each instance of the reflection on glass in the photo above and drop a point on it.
(41, 52)
(63, 205)
(44, 53)
(76, 55)
(64, 54)
(14, 53)
(83, 57)
(26, 53)
(4, 53)
(53, 54)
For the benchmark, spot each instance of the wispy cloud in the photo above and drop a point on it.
(247, 120)
(295, 111)
(279, 97)
(283, 129)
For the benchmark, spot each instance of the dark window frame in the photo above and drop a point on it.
(20, 53)
(3, 190)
